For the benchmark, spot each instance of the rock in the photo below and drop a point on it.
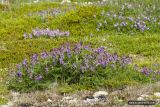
(36, 1)
(140, 99)
(9, 104)
(25, 105)
(144, 95)
(15, 94)
(102, 98)
(100, 93)
(67, 98)
(88, 97)
(56, 106)
(65, 1)
(91, 100)
(157, 94)
(49, 100)
(74, 101)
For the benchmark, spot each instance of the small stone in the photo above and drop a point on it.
(10, 104)
(49, 100)
(144, 95)
(157, 94)
(25, 105)
(88, 97)
(14, 94)
(89, 100)
(74, 101)
(140, 98)
(100, 93)
(67, 98)
(102, 98)
(5, 106)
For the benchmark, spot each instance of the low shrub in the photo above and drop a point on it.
(79, 64)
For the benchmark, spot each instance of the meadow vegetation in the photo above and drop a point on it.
(109, 45)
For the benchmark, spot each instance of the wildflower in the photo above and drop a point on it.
(115, 57)
(44, 55)
(19, 74)
(123, 24)
(86, 47)
(30, 36)
(145, 71)
(103, 64)
(61, 59)
(100, 50)
(67, 33)
(68, 51)
(130, 18)
(39, 77)
(24, 62)
(35, 57)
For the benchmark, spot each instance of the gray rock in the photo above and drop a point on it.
(100, 93)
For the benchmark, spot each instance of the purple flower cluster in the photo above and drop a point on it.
(154, 71)
(48, 12)
(80, 57)
(46, 33)
(52, 12)
(121, 22)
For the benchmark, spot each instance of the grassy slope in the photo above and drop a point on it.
(13, 48)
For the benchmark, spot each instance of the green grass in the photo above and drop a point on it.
(14, 21)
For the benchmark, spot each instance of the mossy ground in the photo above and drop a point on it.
(79, 20)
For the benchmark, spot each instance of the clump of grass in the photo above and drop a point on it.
(82, 65)
(3, 101)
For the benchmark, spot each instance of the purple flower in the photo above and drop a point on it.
(86, 47)
(145, 71)
(24, 62)
(123, 24)
(103, 64)
(67, 33)
(125, 60)
(61, 59)
(130, 18)
(39, 77)
(35, 57)
(44, 55)
(19, 74)
(100, 50)
(68, 51)
(30, 36)
(115, 57)
(54, 58)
